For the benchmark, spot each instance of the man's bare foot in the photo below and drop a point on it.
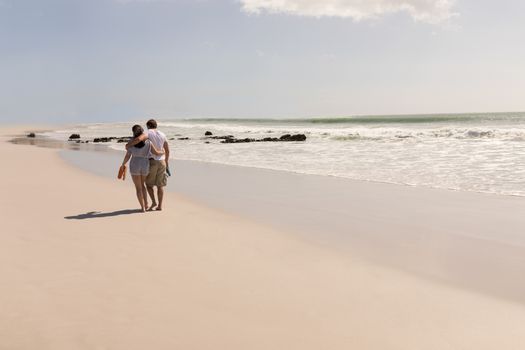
(143, 209)
(153, 205)
(159, 208)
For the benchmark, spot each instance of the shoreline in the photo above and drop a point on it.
(447, 242)
(47, 142)
(207, 279)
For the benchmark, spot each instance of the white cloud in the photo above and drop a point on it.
(431, 11)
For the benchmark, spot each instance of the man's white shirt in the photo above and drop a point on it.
(157, 138)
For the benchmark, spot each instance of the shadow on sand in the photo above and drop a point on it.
(98, 214)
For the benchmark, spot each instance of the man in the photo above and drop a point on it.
(158, 165)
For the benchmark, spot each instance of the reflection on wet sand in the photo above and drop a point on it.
(46, 142)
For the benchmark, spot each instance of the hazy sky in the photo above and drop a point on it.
(95, 60)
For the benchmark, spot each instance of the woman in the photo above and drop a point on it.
(139, 165)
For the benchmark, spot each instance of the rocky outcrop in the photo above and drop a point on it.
(221, 137)
(103, 139)
(284, 138)
(208, 133)
(234, 140)
(270, 139)
(31, 134)
(112, 138)
(209, 136)
(297, 137)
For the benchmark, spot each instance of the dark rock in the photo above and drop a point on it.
(171, 139)
(207, 142)
(109, 139)
(123, 139)
(230, 140)
(221, 137)
(183, 138)
(74, 136)
(32, 134)
(287, 137)
(297, 137)
(269, 139)
(208, 133)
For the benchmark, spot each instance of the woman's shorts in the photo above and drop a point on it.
(139, 166)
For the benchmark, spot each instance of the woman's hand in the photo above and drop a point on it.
(126, 158)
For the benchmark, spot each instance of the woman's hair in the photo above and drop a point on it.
(137, 131)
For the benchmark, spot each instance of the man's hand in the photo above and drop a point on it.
(136, 140)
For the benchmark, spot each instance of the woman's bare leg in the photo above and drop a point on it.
(144, 191)
(137, 181)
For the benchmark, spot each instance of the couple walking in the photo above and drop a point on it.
(149, 153)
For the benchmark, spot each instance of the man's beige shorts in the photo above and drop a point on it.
(157, 173)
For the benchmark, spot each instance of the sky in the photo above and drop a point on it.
(110, 60)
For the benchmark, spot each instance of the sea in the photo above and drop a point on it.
(463, 152)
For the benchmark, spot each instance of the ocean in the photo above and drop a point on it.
(465, 152)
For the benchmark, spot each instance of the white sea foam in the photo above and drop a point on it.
(484, 153)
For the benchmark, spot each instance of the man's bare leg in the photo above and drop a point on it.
(160, 194)
(152, 196)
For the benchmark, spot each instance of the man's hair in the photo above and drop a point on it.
(151, 124)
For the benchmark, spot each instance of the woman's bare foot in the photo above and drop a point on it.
(159, 208)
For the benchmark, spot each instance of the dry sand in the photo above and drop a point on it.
(196, 278)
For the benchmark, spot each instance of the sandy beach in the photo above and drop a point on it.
(81, 269)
